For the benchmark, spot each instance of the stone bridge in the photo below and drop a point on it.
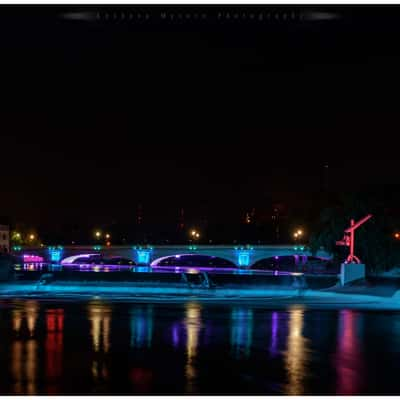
(241, 256)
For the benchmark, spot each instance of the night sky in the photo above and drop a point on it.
(229, 109)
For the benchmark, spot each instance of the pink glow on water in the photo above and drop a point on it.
(348, 360)
(31, 258)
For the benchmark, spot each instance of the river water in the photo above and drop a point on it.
(97, 346)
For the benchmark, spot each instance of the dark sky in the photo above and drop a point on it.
(229, 108)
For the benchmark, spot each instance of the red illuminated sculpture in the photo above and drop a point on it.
(348, 239)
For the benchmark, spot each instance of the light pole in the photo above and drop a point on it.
(108, 236)
(297, 235)
(195, 235)
(97, 235)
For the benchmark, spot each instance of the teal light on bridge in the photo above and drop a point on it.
(298, 248)
(17, 248)
(243, 255)
(97, 247)
(55, 253)
(143, 254)
(192, 247)
(243, 258)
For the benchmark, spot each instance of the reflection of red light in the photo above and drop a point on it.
(141, 378)
(51, 322)
(60, 322)
(55, 320)
(349, 357)
(54, 349)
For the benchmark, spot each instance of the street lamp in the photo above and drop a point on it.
(108, 236)
(97, 234)
(194, 234)
(31, 237)
(298, 234)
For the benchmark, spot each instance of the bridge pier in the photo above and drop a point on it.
(243, 257)
(55, 254)
(142, 256)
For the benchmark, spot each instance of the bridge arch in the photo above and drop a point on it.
(288, 261)
(193, 259)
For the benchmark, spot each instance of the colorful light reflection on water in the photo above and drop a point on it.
(102, 347)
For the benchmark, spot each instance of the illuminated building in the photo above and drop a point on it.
(4, 238)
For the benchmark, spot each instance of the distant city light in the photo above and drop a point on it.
(108, 236)
(97, 234)
(31, 237)
(298, 233)
(194, 234)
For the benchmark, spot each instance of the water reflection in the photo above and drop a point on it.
(31, 310)
(193, 325)
(175, 334)
(99, 353)
(273, 348)
(24, 356)
(296, 354)
(241, 331)
(54, 348)
(141, 378)
(17, 321)
(348, 360)
(100, 320)
(141, 326)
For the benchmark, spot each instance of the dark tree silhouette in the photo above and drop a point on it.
(374, 243)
